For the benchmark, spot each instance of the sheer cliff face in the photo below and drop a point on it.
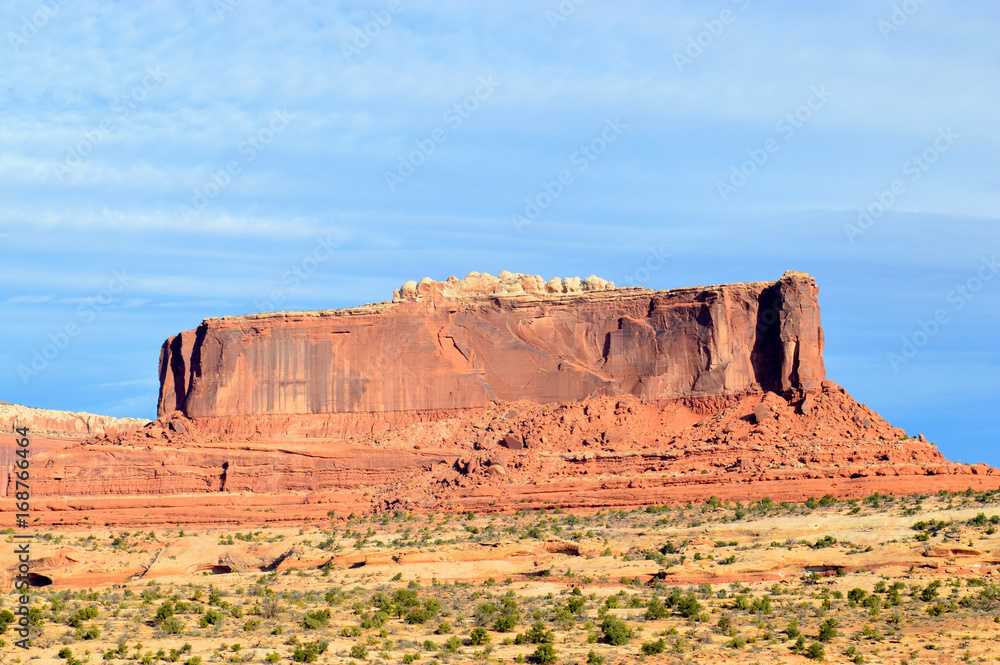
(431, 349)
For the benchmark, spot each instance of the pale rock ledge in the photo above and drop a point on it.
(504, 284)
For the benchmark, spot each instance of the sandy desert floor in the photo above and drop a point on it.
(879, 580)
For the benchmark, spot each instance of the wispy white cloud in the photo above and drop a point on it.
(30, 299)
(120, 207)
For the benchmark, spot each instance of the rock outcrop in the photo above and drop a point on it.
(62, 424)
(495, 393)
(468, 343)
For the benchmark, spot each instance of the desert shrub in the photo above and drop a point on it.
(930, 592)
(173, 626)
(418, 616)
(87, 633)
(614, 631)
(309, 652)
(509, 614)
(535, 635)
(6, 618)
(544, 654)
(270, 608)
(484, 614)
(164, 612)
(793, 629)
(816, 651)
(316, 620)
(83, 614)
(655, 609)
(211, 618)
(478, 636)
(828, 630)
(652, 648)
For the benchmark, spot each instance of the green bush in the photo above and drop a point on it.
(655, 609)
(614, 631)
(210, 618)
(828, 630)
(544, 654)
(173, 626)
(316, 620)
(652, 648)
(479, 636)
(535, 635)
(310, 651)
(816, 651)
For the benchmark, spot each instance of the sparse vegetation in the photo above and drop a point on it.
(584, 606)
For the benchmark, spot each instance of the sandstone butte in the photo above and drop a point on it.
(492, 393)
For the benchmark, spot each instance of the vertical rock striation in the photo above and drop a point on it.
(467, 343)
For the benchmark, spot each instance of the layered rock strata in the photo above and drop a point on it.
(495, 393)
(468, 343)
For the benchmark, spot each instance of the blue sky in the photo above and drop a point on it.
(161, 163)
